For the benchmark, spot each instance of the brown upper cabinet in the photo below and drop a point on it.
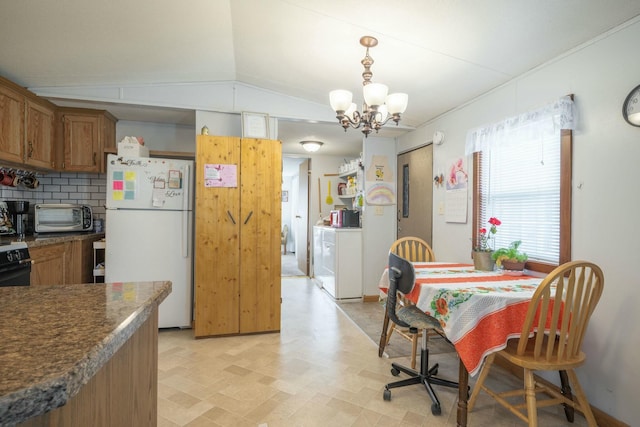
(85, 134)
(36, 134)
(27, 127)
(40, 134)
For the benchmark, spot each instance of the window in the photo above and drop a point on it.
(522, 176)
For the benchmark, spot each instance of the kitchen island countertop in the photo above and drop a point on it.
(54, 339)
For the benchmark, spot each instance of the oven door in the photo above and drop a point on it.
(16, 274)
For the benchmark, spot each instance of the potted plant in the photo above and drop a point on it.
(482, 259)
(511, 258)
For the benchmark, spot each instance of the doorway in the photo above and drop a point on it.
(295, 207)
(415, 193)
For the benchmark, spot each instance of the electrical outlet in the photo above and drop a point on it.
(441, 208)
(379, 210)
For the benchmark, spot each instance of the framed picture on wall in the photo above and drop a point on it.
(255, 125)
(285, 196)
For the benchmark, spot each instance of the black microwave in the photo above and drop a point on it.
(345, 218)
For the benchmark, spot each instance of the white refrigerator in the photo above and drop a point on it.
(149, 229)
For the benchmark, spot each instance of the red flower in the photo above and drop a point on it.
(442, 307)
(484, 238)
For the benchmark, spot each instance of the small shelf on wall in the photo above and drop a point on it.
(348, 174)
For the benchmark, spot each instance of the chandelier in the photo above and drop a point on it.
(378, 107)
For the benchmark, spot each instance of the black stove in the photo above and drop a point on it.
(15, 264)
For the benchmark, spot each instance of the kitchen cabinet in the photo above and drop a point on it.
(85, 135)
(51, 264)
(11, 124)
(27, 127)
(237, 235)
(40, 134)
(338, 261)
(62, 263)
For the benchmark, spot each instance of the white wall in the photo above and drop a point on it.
(379, 222)
(159, 136)
(605, 200)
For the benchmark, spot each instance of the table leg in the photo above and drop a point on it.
(566, 391)
(463, 395)
(383, 335)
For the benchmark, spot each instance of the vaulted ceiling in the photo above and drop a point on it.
(442, 53)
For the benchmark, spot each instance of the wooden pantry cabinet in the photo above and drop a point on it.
(84, 134)
(27, 127)
(237, 236)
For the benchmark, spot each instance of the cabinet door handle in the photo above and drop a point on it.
(30, 153)
(94, 159)
(231, 218)
(249, 216)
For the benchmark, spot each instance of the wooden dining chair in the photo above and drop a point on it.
(578, 286)
(412, 249)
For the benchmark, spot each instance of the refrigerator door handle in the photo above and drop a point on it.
(185, 198)
(186, 212)
(185, 233)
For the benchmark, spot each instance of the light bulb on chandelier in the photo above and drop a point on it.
(378, 107)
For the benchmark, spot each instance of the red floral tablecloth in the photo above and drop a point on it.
(478, 310)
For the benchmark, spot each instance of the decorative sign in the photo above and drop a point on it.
(219, 175)
(456, 195)
(255, 125)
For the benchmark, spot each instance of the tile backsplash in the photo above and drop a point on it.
(64, 187)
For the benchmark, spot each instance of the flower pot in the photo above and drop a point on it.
(513, 265)
(483, 261)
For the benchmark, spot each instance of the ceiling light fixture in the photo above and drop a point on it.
(311, 146)
(378, 107)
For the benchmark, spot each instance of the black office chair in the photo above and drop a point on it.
(402, 279)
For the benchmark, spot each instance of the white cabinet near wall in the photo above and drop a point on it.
(338, 261)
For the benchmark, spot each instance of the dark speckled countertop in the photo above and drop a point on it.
(53, 339)
(44, 239)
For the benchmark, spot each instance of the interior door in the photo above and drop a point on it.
(301, 220)
(415, 193)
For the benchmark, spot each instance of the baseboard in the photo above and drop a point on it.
(602, 418)
(370, 298)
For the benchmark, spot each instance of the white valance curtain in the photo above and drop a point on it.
(532, 125)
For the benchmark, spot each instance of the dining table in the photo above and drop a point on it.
(479, 311)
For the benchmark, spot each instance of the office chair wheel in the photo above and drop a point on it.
(395, 372)
(435, 408)
(386, 395)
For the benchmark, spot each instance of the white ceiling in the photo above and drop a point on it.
(442, 53)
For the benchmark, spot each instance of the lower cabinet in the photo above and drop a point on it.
(337, 261)
(63, 263)
(50, 264)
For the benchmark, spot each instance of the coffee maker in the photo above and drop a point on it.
(18, 214)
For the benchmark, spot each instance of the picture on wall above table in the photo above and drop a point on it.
(456, 183)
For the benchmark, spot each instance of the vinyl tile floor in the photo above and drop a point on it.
(320, 370)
